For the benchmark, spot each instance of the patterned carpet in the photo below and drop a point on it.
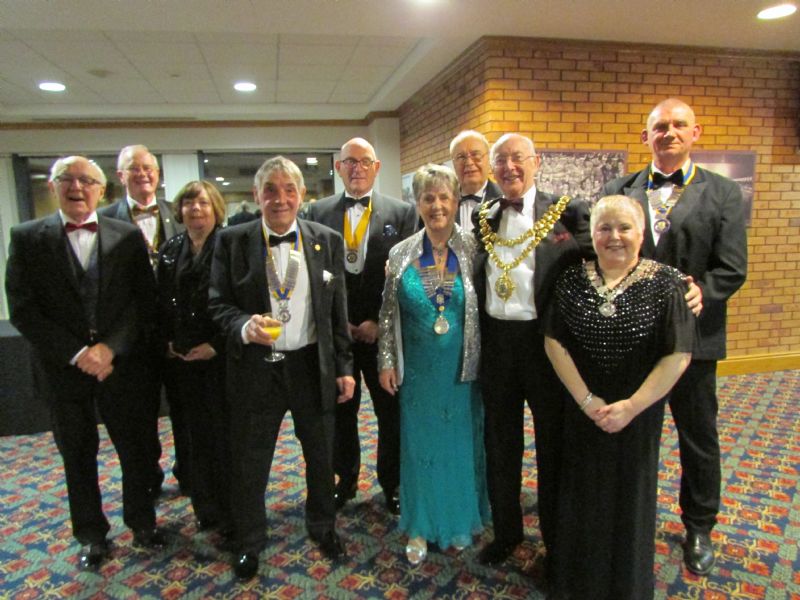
(757, 538)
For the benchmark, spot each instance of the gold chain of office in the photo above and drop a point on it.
(504, 286)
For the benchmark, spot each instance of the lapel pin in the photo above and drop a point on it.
(317, 247)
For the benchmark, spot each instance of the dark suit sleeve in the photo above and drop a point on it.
(221, 301)
(576, 220)
(48, 336)
(340, 325)
(408, 225)
(727, 268)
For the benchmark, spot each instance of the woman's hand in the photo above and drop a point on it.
(616, 416)
(388, 379)
(204, 351)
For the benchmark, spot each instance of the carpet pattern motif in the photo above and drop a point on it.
(758, 536)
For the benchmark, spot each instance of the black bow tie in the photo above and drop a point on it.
(289, 238)
(348, 201)
(467, 197)
(516, 204)
(659, 180)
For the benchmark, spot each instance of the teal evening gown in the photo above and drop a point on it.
(443, 495)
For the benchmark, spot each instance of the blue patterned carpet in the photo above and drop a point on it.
(758, 536)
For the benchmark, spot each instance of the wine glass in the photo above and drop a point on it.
(275, 332)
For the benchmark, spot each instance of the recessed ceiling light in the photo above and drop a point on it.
(244, 86)
(219, 178)
(52, 86)
(311, 161)
(777, 12)
(205, 160)
(226, 183)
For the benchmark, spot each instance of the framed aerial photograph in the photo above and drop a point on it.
(737, 165)
(579, 173)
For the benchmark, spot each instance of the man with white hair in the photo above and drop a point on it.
(469, 152)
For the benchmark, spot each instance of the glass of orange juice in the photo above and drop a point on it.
(274, 329)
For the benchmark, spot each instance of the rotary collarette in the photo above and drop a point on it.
(504, 286)
(352, 239)
(643, 268)
(282, 290)
(438, 285)
(661, 206)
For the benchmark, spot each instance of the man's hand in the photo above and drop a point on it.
(96, 361)
(367, 332)
(347, 386)
(204, 351)
(255, 330)
(388, 380)
(694, 297)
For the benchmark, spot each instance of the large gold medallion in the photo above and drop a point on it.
(504, 287)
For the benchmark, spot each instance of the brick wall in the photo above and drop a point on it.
(576, 95)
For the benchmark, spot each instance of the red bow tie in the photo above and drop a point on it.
(70, 227)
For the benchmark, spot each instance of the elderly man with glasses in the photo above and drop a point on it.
(526, 237)
(469, 152)
(371, 223)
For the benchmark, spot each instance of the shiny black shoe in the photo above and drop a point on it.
(393, 502)
(345, 490)
(92, 555)
(331, 546)
(153, 539)
(496, 552)
(246, 566)
(698, 553)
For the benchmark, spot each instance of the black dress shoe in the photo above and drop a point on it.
(345, 490)
(331, 546)
(496, 552)
(92, 555)
(698, 553)
(150, 538)
(246, 566)
(393, 502)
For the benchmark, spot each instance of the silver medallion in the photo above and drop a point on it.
(352, 256)
(440, 325)
(661, 225)
(607, 309)
(284, 316)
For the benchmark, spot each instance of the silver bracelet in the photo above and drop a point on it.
(585, 402)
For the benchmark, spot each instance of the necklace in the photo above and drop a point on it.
(663, 207)
(504, 286)
(438, 283)
(282, 290)
(607, 308)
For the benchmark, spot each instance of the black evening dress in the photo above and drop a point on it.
(605, 546)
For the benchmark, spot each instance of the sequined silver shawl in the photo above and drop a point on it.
(390, 340)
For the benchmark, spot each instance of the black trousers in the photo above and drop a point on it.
(514, 369)
(347, 447)
(197, 391)
(75, 432)
(290, 385)
(694, 406)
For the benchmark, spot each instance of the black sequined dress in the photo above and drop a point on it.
(605, 545)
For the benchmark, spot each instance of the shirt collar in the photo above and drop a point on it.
(684, 168)
(92, 218)
(268, 232)
(132, 203)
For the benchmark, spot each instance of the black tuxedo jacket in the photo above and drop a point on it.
(707, 239)
(391, 221)
(239, 290)
(569, 241)
(169, 227)
(45, 303)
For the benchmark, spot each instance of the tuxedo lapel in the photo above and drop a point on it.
(56, 241)
(256, 248)
(312, 252)
(684, 207)
(638, 191)
(107, 239)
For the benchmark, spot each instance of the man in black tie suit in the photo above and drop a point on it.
(137, 170)
(514, 283)
(299, 277)
(469, 152)
(371, 223)
(80, 289)
(695, 223)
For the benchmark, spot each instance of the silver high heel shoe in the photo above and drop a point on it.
(416, 550)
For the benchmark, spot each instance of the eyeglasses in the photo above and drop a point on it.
(516, 159)
(137, 169)
(85, 181)
(474, 156)
(365, 163)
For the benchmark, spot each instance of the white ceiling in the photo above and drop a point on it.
(311, 59)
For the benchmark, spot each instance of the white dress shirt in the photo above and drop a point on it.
(665, 191)
(148, 224)
(82, 240)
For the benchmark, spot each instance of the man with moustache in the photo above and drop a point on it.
(79, 289)
(371, 223)
(137, 170)
(295, 270)
(514, 279)
(695, 223)
(469, 152)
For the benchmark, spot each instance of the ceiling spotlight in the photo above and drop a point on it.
(312, 161)
(226, 183)
(244, 86)
(52, 86)
(219, 179)
(777, 12)
(205, 160)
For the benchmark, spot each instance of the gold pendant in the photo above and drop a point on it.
(504, 287)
